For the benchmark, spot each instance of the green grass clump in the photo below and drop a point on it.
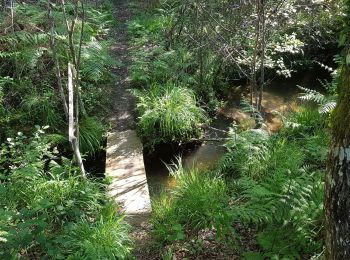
(105, 238)
(198, 201)
(91, 135)
(168, 114)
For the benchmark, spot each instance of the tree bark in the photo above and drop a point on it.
(337, 189)
(253, 84)
(73, 121)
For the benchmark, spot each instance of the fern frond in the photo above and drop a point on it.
(96, 61)
(311, 95)
(326, 103)
(327, 107)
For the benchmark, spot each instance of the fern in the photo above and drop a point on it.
(326, 103)
(97, 61)
(312, 95)
(247, 152)
(248, 108)
(328, 106)
(278, 193)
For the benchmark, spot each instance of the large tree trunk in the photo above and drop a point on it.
(337, 193)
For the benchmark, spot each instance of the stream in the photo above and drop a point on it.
(281, 95)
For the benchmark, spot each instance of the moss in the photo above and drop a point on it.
(341, 114)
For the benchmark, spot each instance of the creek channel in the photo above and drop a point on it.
(280, 96)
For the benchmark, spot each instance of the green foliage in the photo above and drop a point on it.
(156, 60)
(42, 108)
(97, 62)
(303, 122)
(31, 96)
(47, 210)
(279, 188)
(91, 135)
(248, 151)
(198, 201)
(82, 240)
(326, 103)
(273, 184)
(168, 114)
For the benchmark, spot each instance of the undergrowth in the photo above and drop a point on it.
(273, 185)
(47, 210)
(28, 86)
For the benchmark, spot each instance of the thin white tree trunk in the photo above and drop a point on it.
(263, 52)
(72, 121)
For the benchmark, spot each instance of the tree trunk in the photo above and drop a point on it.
(263, 50)
(253, 84)
(73, 125)
(337, 191)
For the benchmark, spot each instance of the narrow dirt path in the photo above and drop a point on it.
(122, 117)
(122, 121)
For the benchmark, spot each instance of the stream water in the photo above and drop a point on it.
(281, 95)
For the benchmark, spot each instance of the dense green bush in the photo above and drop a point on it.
(47, 210)
(168, 114)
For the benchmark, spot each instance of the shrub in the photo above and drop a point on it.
(168, 114)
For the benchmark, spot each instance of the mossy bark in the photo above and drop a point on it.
(337, 192)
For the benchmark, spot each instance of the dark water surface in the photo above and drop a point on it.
(201, 156)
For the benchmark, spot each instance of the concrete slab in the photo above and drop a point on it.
(125, 166)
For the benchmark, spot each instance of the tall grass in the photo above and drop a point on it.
(197, 202)
(168, 114)
(91, 135)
